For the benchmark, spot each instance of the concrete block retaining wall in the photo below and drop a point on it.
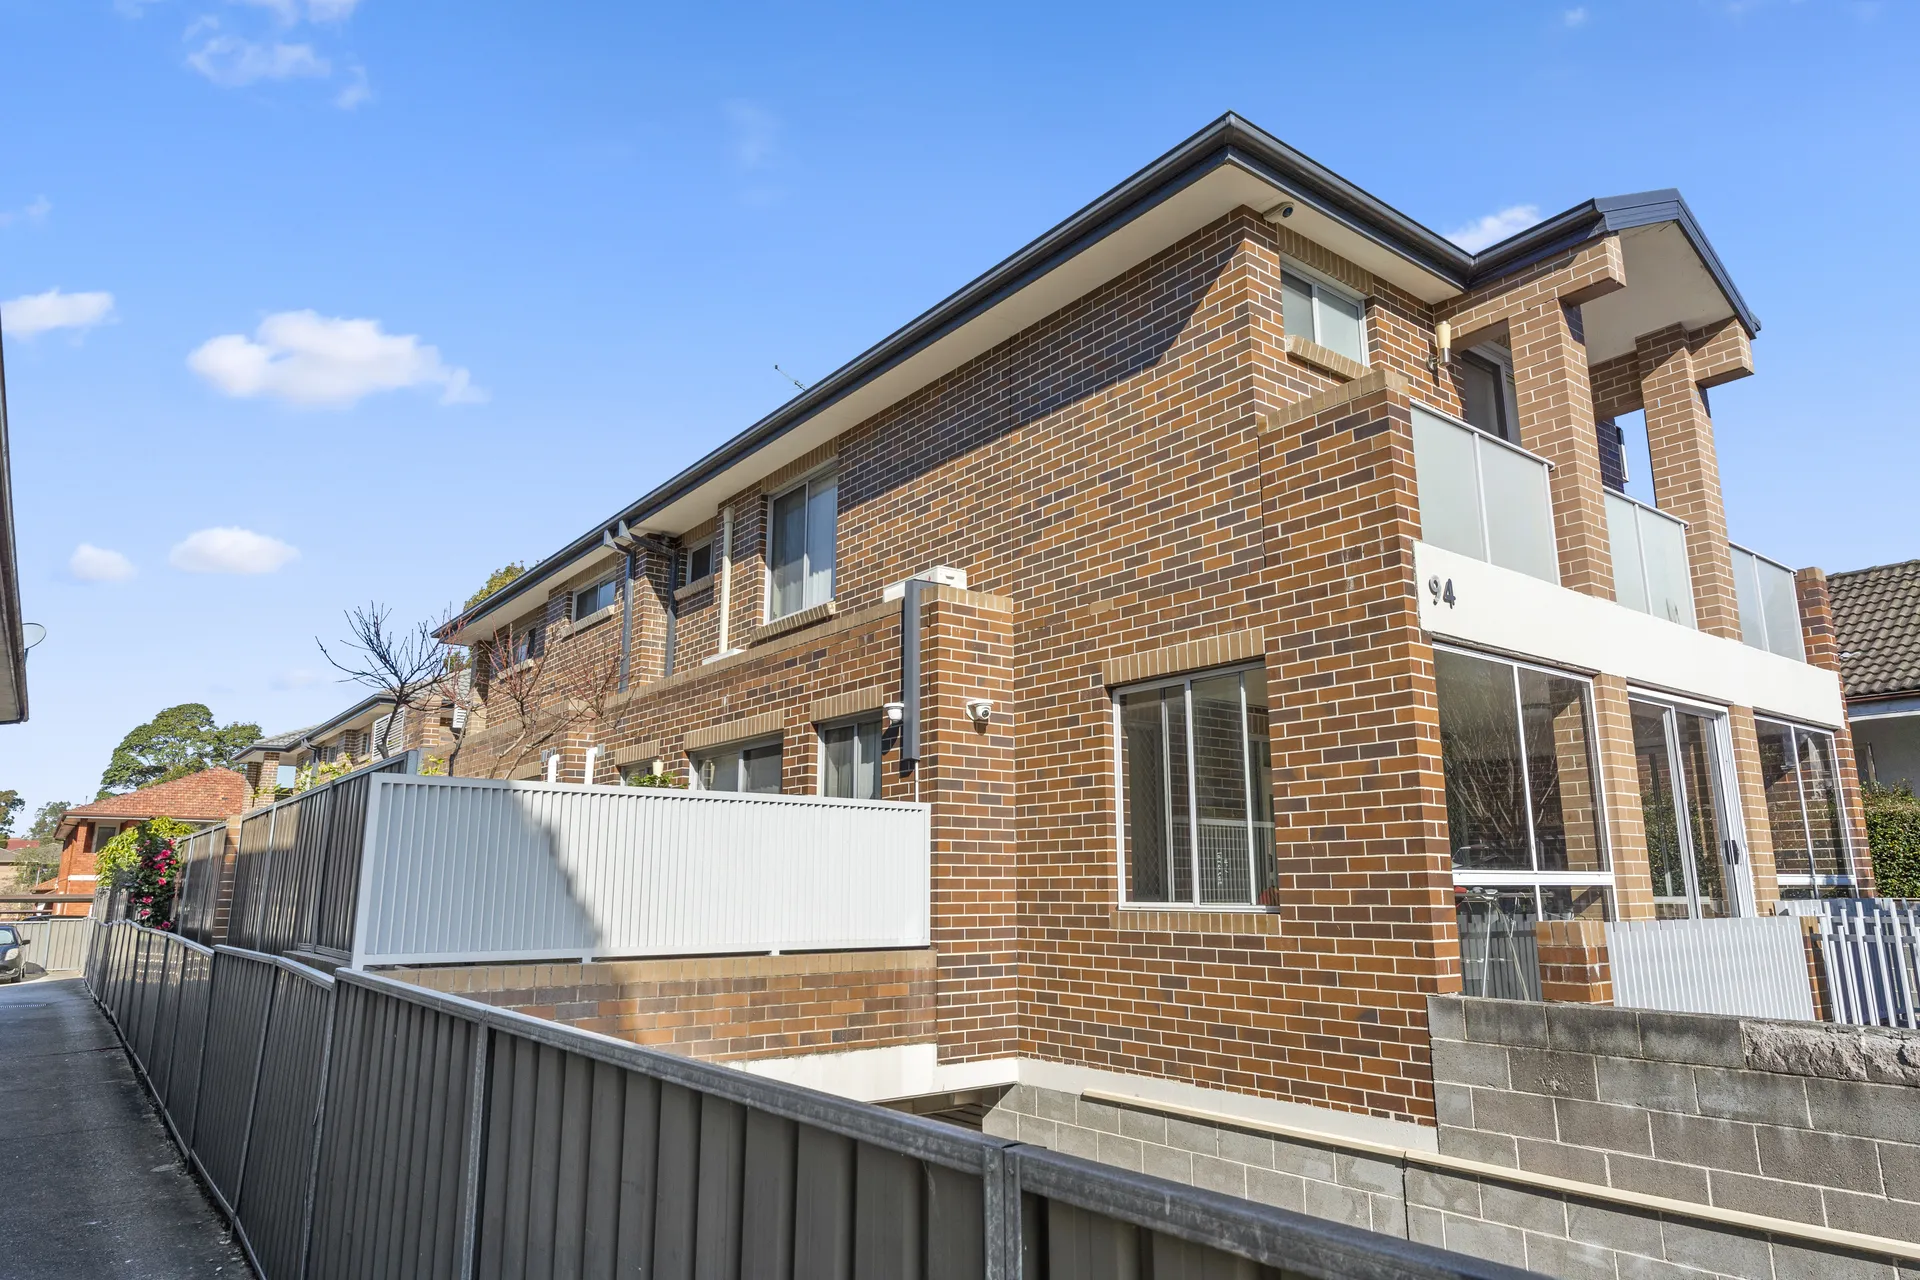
(1524, 1219)
(1806, 1121)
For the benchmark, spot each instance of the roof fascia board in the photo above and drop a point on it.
(13, 641)
(1668, 205)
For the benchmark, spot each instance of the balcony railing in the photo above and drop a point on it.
(1483, 497)
(1769, 605)
(1650, 570)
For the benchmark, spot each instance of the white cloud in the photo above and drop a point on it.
(331, 10)
(230, 550)
(355, 92)
(232, 61)
(89, 563)
(35, 213)
(38, 312)
(1495, 227)
(309, 359)
(1575, 17)
(296, 678)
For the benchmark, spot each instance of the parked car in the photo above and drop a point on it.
(13, 954)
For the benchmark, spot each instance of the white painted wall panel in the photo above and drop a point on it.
(461, 869)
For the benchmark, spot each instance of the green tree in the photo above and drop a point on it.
(497, 579)
(46, 820)
(11, 804)
(179, 741)
(31, 866)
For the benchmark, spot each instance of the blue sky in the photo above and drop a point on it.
(348, 300)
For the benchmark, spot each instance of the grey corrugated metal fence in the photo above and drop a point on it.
(297, 874)
(363, 1127)
(203, 863)
(57, 944)
(1753, 966)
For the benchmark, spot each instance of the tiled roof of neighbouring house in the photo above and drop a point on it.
(211, 793)
(281, 741)
(1876, 618)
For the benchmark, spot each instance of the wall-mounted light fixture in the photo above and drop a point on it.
(1442, 346)
(896, 712)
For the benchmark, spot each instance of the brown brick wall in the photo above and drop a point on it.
(1149, 473)
(725, 1008)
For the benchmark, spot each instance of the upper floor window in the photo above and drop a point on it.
(1323, 313)
(850, 760)
(696, 562)
(752, 767)
(590, 600)
(1196, 790)
(802, 545)
(529, 644)
(1801, 777)
(1486, 390)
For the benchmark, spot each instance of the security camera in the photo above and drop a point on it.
(979, 710)
(1286, 210)
(896, 712)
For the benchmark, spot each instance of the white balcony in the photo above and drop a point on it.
(1769, 605)
(1483, 497)
(1650, 571)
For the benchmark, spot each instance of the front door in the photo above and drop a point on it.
(1694, 849)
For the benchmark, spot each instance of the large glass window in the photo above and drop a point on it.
(1799, 772)
(1193, 759)
(1686, 810)
(802, 546)
(850, 760)
(1323, 314)
(753, 767)
(1525, 822)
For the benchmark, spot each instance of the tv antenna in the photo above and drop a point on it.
(789, 377)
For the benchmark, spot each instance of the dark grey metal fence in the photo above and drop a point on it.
(203, 866)
(356, 1126)
(56, 944)
(297, 873)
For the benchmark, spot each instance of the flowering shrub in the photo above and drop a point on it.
(142, 860)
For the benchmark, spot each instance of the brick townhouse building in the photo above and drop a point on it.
(1244, 575)
(366, 730)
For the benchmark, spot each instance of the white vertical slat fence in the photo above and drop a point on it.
(1751, 966)
(463, 869)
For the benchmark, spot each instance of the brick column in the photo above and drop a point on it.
(967, 776)
(1753, 809)
(1686, 472)
(1573, 961)
(1620, 773)
(1555, 400)
(1822, 644)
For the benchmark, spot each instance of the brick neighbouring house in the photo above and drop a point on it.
(199, 799)
(1197, 457)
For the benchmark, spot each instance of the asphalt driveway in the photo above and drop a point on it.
(92, 1185)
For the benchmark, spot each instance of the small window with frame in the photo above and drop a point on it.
(850, 759)
(801, 555)
(589, 600)
(696, 562)
(750, 767)
(1323, 313)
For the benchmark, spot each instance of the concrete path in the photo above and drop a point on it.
(90, 1183)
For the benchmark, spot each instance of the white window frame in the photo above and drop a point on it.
(1185, 678)
(1813, 882)
(1740, 890)
(1323, 283)
(1534, 879)
(806, 482)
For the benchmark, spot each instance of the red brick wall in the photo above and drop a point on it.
(723, 1008)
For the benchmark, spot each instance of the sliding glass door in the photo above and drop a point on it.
(1694, 846)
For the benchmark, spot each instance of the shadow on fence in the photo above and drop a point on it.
(355, 1126)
